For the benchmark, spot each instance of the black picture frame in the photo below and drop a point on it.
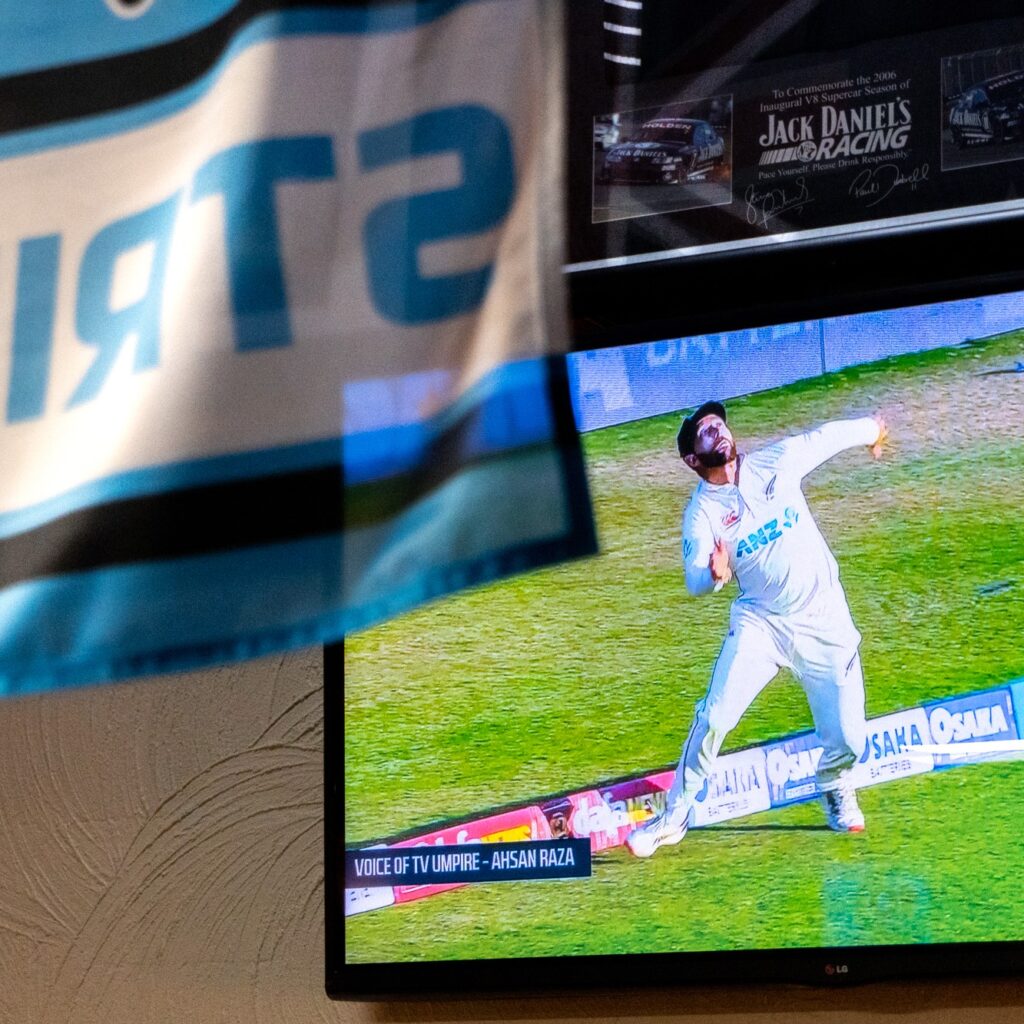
(689, 269)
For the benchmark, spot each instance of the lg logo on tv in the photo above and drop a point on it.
(833, 969)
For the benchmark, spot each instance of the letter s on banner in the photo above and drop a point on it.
(396, 230)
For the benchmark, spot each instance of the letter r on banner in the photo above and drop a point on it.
(105, 327)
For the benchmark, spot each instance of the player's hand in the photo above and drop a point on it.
(883, 433)
(721, 571)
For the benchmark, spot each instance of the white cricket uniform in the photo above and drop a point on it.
(791, 611)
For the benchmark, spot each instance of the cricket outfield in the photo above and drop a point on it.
(565, 677)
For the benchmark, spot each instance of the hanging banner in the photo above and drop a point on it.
(280, 281)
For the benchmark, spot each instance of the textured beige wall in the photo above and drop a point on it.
(161, 860)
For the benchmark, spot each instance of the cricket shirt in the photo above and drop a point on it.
(780, 559)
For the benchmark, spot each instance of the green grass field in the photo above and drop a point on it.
(561, 678)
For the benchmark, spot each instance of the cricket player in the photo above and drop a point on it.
(748, 518)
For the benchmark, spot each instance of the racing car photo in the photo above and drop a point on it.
(667, 150)
(665, 159)
(991, 111)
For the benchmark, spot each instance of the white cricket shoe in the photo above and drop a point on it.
(842, 810)
(643, 841)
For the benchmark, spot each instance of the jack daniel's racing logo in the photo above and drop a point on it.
(835, 132)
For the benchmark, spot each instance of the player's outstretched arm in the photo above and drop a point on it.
(883, 433)
(805, 452)
(699, 547)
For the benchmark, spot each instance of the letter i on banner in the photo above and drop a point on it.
(286, 335)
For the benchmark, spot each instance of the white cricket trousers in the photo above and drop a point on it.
(821, 651)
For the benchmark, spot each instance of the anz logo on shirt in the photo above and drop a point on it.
(767, 534)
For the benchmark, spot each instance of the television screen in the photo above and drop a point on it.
(779, 716)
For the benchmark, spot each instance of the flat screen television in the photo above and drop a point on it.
(863, 587)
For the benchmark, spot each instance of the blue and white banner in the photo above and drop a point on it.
(271, 268)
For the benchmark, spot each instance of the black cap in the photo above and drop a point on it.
(687, 436)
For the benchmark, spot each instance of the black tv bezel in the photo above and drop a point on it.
(636, 303)
(909, 265)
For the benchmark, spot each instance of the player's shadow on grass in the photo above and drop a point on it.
(769, 827)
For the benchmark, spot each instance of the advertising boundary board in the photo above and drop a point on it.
(766, 776)
(1017, 696)
(621, 384)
